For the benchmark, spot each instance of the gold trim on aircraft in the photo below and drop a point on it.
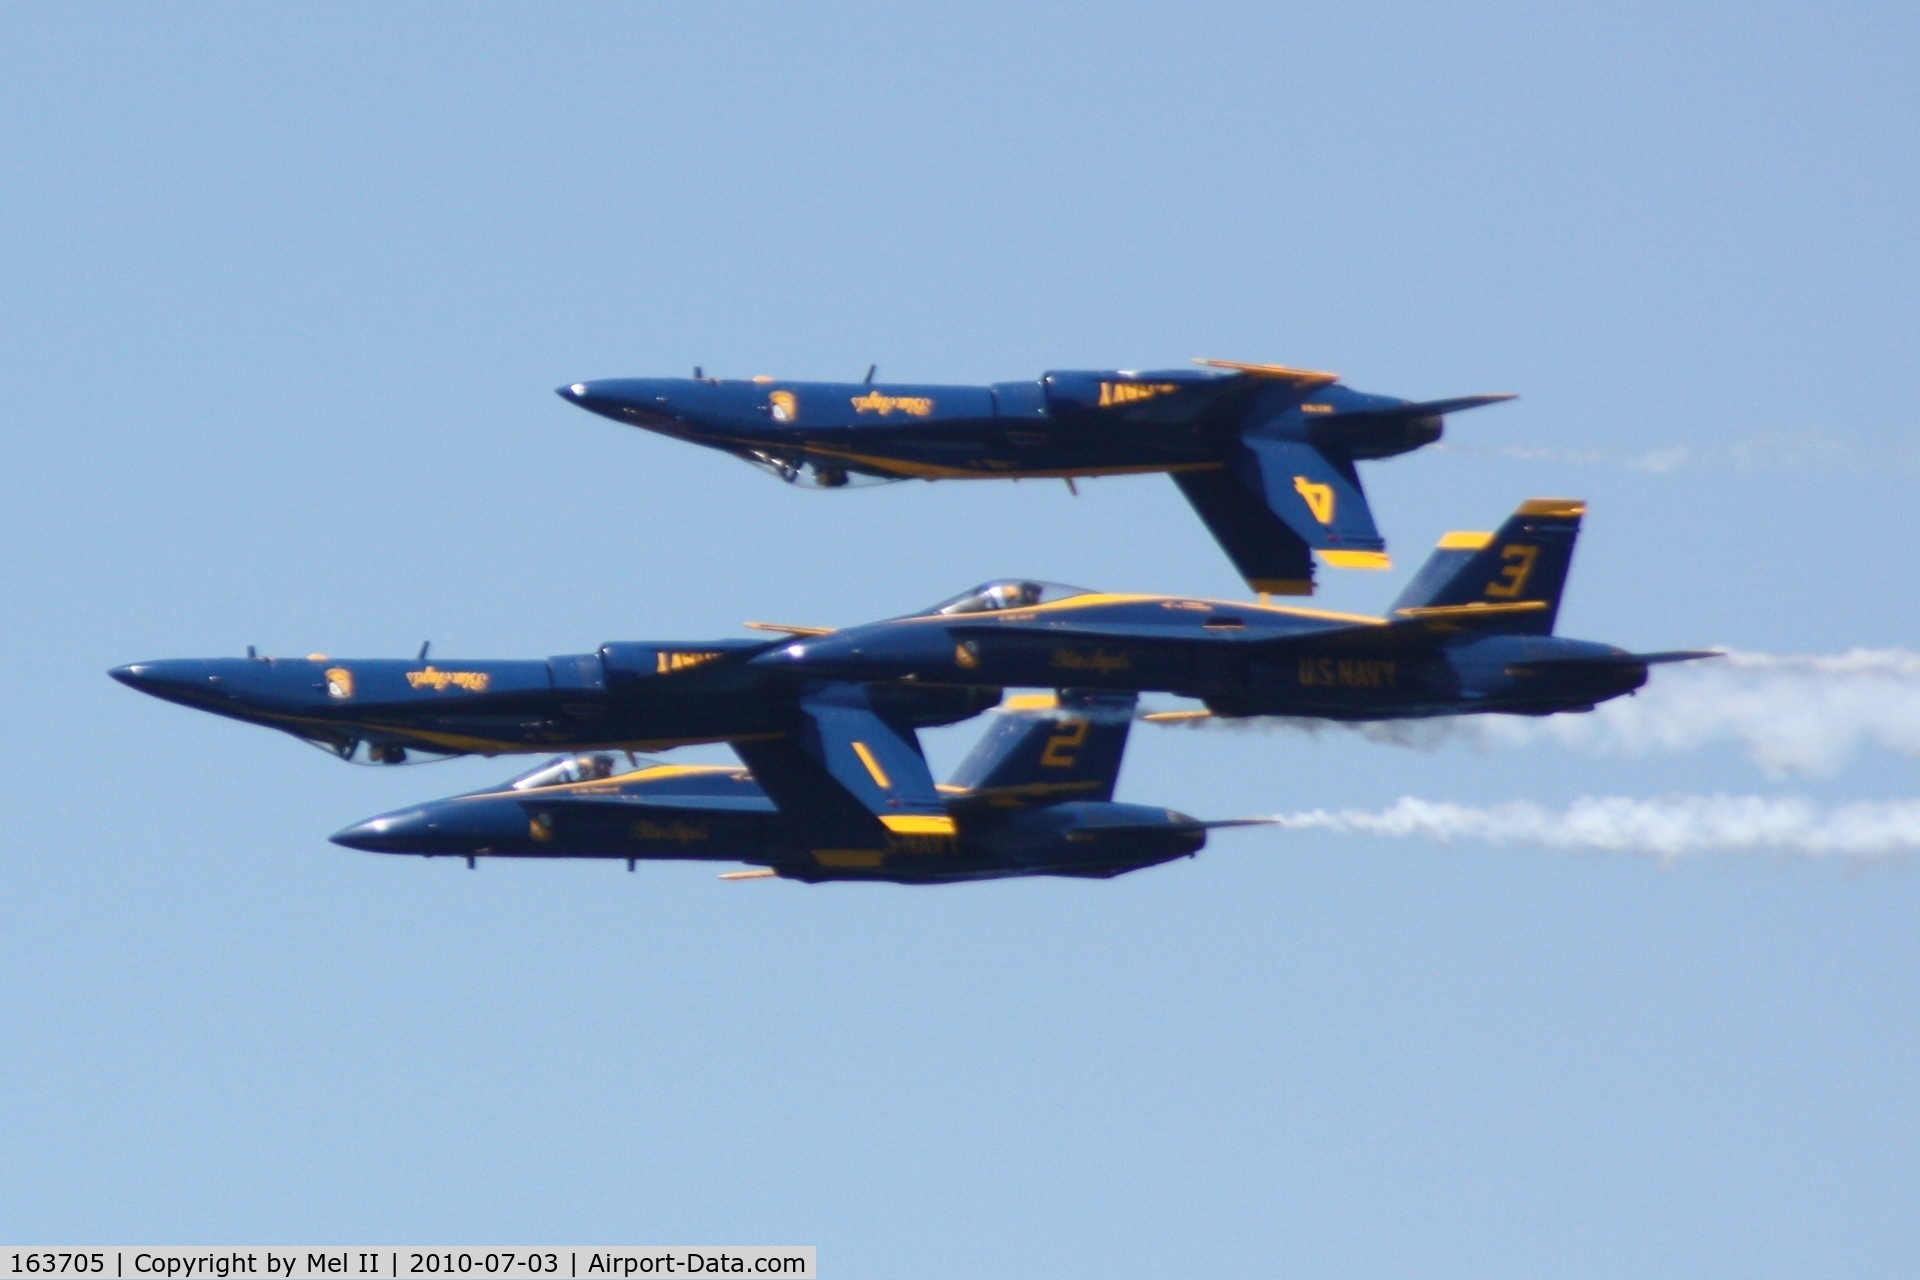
(1477, 609)
(913, 824)
(1553, 507)
(1305, 378)
(1357, 559)
(932, 471)
(1464, 540)
(851, 858)
(787, 629)
(873, 765)
(1098, 599)
(1282, 586)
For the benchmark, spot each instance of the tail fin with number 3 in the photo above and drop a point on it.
(1515, 574)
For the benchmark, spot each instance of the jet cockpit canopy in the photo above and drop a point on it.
(591, 766)
(1008, 593)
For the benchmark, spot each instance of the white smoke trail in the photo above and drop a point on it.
(1791, 714)
(1666, 829)
(1658, 461)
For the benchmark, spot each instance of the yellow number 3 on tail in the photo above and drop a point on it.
(1515, 572)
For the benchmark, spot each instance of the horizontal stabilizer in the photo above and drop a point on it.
(1676, 655)
(1420, 408)
(1629, 659)
(1385, 430)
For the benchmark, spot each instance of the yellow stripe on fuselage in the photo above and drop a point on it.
(910, 470)
(1103, 600)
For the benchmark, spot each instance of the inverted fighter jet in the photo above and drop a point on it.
(1034, 798)
(1473, 632)
(1266, 454)
(640, 696)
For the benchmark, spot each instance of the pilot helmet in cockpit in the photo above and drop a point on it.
(1013, 595)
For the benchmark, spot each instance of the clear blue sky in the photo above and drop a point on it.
(283, 297)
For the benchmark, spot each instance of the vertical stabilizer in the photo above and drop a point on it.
(1524, 562)
(1046, 748)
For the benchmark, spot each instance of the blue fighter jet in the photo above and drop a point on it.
(1034, 798)
(1266, 454)
(641, 696)
(1473, 632)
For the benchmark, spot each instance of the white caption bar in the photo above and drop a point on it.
(285, 1262)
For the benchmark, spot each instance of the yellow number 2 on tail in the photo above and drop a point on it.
(1061, 747)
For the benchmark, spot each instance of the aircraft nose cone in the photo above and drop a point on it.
(174, 679)
(631, 401)
(407, 831)
(599, 397)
